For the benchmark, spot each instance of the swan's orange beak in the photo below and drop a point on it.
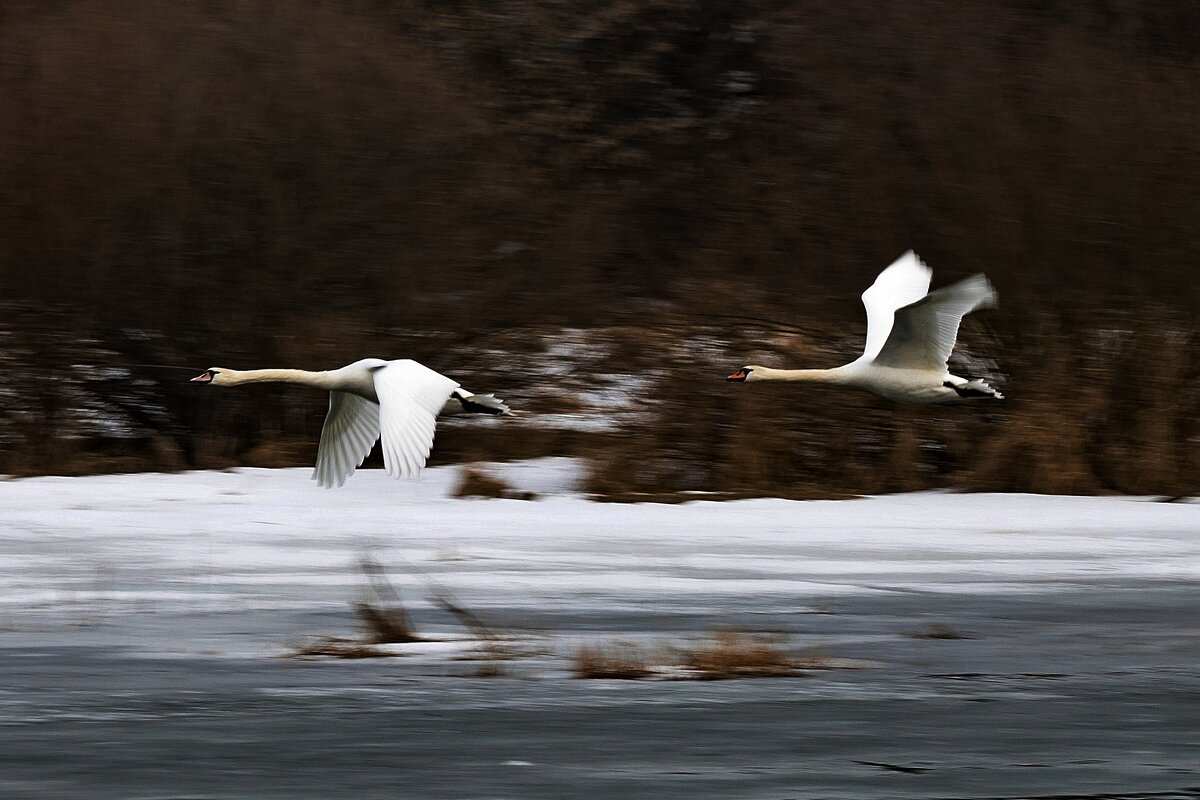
(204, 378)
(740, 375)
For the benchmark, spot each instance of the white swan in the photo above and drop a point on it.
(395, 401)
(910, 333)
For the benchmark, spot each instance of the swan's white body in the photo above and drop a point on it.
(910, 335)
(396, 402)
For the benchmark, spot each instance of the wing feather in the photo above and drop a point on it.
(410, 397)
(905, 281)
(350, 430)
(924, 332)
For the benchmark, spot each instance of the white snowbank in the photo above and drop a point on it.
(273, 539)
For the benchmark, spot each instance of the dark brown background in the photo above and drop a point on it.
(675, 187)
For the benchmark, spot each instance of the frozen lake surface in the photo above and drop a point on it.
(145, 620)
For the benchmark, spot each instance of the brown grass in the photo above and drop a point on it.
(466, 616)
(386, 625)
(383, 615)
(475, 482)
(724, 655)
(284, 451)
(617, 660)
(337, 647)
(384, 619)
(733, 654)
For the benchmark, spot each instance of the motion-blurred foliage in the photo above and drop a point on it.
(673, 188)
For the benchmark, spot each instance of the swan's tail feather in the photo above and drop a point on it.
(485, 404)
(975, 389)
(463, 402)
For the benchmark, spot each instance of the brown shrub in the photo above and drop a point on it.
(733, 654)
(620, 660)
(475, 482)
(283, 451)
(336, 647)
(386, 625)
(727, 654)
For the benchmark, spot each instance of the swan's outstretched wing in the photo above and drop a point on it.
(351, 428)
(410, 397)
(924, 332)
(905, 281)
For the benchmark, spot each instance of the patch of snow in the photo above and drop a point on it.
(277, 519)
(205, 542)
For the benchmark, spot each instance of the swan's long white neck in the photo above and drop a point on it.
(303, 377)
(835, 375)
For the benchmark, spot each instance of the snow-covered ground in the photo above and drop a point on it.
(271, 538)
(151, 609)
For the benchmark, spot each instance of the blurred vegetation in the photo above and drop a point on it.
(679, 187)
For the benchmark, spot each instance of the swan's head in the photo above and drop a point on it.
(213, 375)
(742, 375)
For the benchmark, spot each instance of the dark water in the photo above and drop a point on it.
(1093, 692)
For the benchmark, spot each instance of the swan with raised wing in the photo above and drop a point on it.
(910, 334)
(397, 402)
